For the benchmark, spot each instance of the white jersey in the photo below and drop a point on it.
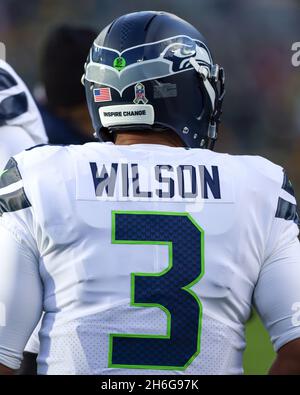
(146, 259)
(21, 124)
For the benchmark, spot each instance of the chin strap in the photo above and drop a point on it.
(216, 77)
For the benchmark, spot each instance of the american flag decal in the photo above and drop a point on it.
(102, 94)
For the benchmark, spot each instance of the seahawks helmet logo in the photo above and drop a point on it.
(145, 62)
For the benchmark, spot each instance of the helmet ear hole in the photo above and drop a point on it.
(154, 61)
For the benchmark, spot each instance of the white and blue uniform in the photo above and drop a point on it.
(146, 259)
(21, 125)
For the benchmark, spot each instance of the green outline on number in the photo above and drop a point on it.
(170, 265)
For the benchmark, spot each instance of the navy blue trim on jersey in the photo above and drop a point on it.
(14, 201)
(287, 210)
(287, 185)
(13, 106)
(7, 81)
(17, 199)
(36, 146)
(11, 174)
(48, 145)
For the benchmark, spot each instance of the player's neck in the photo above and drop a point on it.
(166, 138)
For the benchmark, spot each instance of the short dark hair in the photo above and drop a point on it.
(62, 64)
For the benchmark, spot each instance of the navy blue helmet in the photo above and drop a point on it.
(152, 71)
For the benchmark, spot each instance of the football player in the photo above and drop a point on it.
(21, 125)
(148, 250)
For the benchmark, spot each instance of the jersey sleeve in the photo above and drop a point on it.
(20, 283)
(277, 291)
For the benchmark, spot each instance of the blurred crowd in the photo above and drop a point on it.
(47, 42)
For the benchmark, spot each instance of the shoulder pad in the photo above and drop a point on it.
(7, 81)
(286, 206)
(12, 105)
(12, 194)
(264, 167)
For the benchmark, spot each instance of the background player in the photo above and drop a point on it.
(21, 125)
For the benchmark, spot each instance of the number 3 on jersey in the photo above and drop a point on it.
(168, 290)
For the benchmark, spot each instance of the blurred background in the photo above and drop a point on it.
(252, 39)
